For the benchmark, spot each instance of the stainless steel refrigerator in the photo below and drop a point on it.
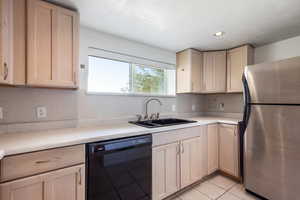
(272, 129)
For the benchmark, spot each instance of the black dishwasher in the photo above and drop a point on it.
(120, 169)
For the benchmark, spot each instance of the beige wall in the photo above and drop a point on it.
(233, 103)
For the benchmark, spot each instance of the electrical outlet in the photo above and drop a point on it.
(173, 107)
(221, 106)
(41, 112)
(193, 107)
(1, 113)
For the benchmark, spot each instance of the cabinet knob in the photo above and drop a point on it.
(182, 70)
(5, 71)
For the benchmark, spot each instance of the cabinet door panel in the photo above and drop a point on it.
(237, 59)
(220, 71)
(65, 47)
(228, 149)
(65, 184)
(5, 41)
(40, 15)
(213, 148)
(183, 72)
(24, 189)
(191, 165)
(165, 170)
(208, 71)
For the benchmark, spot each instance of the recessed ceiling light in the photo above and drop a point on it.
(219, 34)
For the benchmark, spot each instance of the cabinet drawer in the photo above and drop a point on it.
(176, 135)
(23, 165)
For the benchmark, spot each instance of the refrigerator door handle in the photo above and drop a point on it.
(247, 100)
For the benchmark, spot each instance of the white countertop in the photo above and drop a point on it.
(17, 143)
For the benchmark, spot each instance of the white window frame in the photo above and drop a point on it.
(94, 52)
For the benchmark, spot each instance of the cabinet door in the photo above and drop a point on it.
(165, 166)
(183, 71)
(220, 71)
(229, 149)
(65, 48)
(208, 71)
(196, 71)
(237, 59)
(213, 148)
(39, 43)
(62, 184)
(191, 161)
(65, 184)
(214, 71)
(52, 45)
(5, 41)
(23, 189)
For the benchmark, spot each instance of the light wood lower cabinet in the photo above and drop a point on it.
(61, 184)
(166, 180)
(179, 163)
(229, 149)
(190, 162)
(213, 148)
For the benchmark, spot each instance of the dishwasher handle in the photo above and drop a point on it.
(120, 145)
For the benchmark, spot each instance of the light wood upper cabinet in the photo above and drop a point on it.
(213, 148)
(229, 149)
(12, 42)
(62, 184)
(214, 72)
(191, 161)
(165, 161)
(52, 45)
(237, 59)
(189, 71)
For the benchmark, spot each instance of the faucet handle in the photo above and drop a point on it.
(139, 117)
(146, 117)
(157, 115)
(153, 116)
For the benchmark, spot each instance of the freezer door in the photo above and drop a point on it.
(272, 152)
(277, 82)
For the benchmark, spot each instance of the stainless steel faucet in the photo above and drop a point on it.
(146, 105)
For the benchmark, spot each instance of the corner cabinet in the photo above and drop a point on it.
(229, 149)
(62, 184)
(214, 72)
(189, 71)
(52, 45)
(237, 60)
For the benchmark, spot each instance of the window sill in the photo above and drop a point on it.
(129, 94)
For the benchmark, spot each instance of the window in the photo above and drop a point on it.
(113, 76)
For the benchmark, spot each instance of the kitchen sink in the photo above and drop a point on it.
(161, 122)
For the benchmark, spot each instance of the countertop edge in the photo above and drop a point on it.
(142, 131)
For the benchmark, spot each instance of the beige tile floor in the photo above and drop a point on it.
(217, 187)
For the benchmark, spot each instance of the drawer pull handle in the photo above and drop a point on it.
(79, 176)
(42, 161)
(5, 71)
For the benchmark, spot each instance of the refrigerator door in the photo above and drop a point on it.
(275, 83)
(272, 152)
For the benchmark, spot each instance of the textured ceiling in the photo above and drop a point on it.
(179, 24)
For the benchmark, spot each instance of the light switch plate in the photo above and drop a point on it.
(41, 112)
(1, 113)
